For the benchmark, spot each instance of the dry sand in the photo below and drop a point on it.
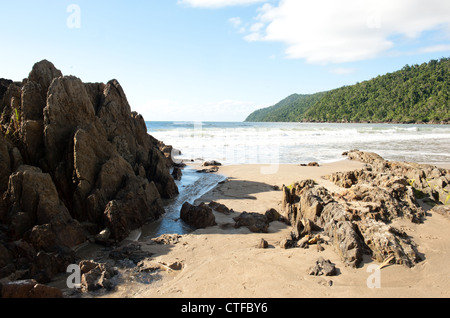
(224, 262)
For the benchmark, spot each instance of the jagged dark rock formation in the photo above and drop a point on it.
(358, 220)
(74, 160)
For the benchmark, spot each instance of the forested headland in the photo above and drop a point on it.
(414, 94)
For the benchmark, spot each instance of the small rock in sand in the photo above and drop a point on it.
(211, 163)
(167, 239)
(263, 244)
(255, 222)
(323, 267)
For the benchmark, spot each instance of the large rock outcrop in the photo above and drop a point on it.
(74, 160)
(353, 227)
(426, 181)
(358, 220)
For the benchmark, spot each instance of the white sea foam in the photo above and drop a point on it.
(248, 143)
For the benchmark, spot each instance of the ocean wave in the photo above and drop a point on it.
(293, 143)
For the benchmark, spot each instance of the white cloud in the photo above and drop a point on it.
(213, 4)
(330, 31)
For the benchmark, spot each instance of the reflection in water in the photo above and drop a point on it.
(192, 186)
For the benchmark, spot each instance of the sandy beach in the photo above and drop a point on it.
(224, 262)
(239, 151)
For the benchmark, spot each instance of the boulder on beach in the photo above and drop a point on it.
(198, 217)
(323, 267)
(273, 215)
(363, 156)
(211, 163)
(255, 222)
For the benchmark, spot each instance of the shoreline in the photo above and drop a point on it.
(291, 143)
(355, 122)
(216, 261)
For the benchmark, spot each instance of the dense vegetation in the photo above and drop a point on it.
(418, 93)
(290, 109)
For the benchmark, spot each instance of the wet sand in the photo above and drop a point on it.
(224, 262)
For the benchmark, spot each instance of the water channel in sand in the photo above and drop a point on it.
(191, 186)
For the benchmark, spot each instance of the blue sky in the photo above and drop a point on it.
(218, 60)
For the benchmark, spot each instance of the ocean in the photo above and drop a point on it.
(297, 143)
(282, 143)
